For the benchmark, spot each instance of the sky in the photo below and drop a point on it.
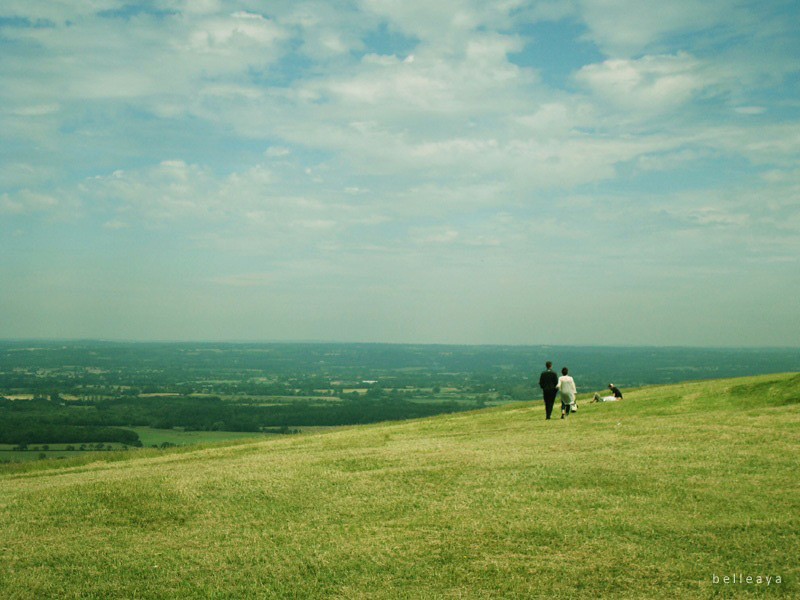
(603, 172)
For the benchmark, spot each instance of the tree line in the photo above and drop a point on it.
(104, 420)
(22, 430)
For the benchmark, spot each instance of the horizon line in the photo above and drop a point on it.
(310, 342)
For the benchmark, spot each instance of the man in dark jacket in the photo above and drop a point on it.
(548, 382)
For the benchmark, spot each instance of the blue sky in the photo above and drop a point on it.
(523, 172)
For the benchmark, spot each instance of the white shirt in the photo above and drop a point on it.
(567, 385)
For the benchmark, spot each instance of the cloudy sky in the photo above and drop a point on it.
(458, 171)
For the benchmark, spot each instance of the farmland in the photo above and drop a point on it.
(64, 399)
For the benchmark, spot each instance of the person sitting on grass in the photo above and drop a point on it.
(616, 395)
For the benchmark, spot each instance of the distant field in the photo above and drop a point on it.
(147, 435)
(150, 436)
(13, 456)
(273, 400)
(660, 496)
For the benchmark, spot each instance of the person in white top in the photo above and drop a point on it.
(566, 386)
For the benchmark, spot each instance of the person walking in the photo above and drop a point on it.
(566, 385)
(548, 382)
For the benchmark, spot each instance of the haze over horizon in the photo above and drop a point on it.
(784, 351)
(559, 172)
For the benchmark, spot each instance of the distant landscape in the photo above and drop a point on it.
(64, 398)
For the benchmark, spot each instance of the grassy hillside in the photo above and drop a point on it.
(652, 497)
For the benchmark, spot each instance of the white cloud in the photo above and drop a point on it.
(115, 224)
(276, 151)
(15, 174)
(716, 216)
(750, 110)
(224, 35)
(623, 28)
(317, 224)
(396, 88)
(36, 110)
(436, 235)
(443, 23)
(9, 206)
(198, 7)
(648, 84)
(244, 280)
(28, 201)
(143, 58)
(758, 143)
(670, 160)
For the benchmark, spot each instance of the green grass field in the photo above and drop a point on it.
(148, 436)
(662, 495)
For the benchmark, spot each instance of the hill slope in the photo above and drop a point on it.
(652, 497)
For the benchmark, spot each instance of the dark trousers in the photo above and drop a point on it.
(549, 400)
